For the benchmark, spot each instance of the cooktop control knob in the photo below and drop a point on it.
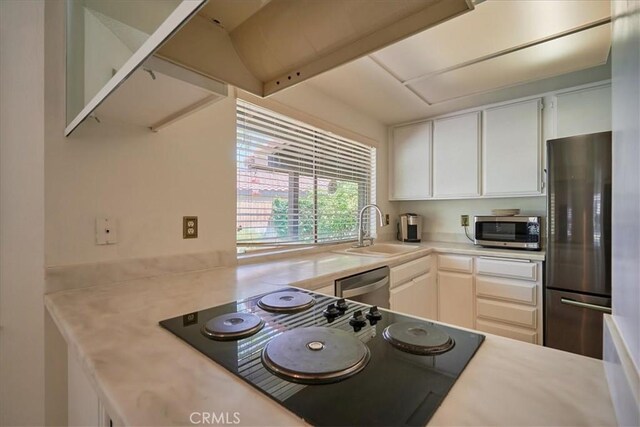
(342, 305)
(331, 312)
(374, 315)
(357, 321)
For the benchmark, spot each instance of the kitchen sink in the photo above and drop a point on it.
(380, 250)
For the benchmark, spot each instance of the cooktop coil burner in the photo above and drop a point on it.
(421, 338)
(232, 326)
(315, 355)
(286, 302)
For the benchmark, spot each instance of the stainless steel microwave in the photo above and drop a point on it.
(519, 232)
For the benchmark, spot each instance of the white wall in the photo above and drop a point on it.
(22, 212)
(146, 182)
(441, 218)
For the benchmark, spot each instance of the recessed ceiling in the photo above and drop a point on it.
(574, 52)
(498, 45)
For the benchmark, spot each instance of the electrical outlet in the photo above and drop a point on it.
(386, 219)
(464, 220)
(189, 227)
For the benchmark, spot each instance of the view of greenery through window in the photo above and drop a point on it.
(337, 214)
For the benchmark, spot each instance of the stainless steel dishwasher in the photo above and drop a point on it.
(370, 287)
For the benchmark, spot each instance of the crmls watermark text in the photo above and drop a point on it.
(219, 418)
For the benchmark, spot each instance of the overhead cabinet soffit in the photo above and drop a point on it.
(285, 42)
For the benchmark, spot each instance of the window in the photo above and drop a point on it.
(298, 184)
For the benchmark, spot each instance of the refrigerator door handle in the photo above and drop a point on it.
(586, 305)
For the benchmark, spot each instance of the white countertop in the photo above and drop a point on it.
(144, 375)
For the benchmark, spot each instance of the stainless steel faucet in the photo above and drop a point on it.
(361, 231)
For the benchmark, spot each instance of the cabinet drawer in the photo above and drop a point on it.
(327, 290)
(506, 289)
(460, 263)
(502, 268)
(526, 335)
(511, 313)
(405, 272)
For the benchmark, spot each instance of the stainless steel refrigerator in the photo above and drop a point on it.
(578, 262)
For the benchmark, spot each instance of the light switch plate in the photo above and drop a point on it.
(106, 232)
(189, 227)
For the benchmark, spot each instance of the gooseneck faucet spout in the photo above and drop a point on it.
(361, 231)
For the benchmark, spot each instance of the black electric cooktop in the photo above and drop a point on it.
(330, 361)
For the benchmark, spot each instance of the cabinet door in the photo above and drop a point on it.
(512, 149)
(455, 298)
(410, 157)
(430, 286)
(84, 408)
(583, 111)
(456, 156)
(107, 41)
(418, 297)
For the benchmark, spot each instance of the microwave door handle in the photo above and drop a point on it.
(586, 305)
(360, 290)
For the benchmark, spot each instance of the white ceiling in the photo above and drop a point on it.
(499, 45)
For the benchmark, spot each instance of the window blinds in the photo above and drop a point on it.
(297, 183)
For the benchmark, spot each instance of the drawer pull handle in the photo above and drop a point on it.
(586, 305)
(492, 258)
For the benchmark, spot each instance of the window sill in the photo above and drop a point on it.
(279, 253)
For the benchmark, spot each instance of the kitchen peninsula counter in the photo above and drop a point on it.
(144, 375)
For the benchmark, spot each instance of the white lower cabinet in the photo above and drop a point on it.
(455, 298)
(501, 296)
(83, 404)
(509, 298)
(418, 297)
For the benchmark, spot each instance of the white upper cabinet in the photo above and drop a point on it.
(511, 160)
(456, 154)
(107, 40)
(410, 162)
(492, 151)
(583, 111)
